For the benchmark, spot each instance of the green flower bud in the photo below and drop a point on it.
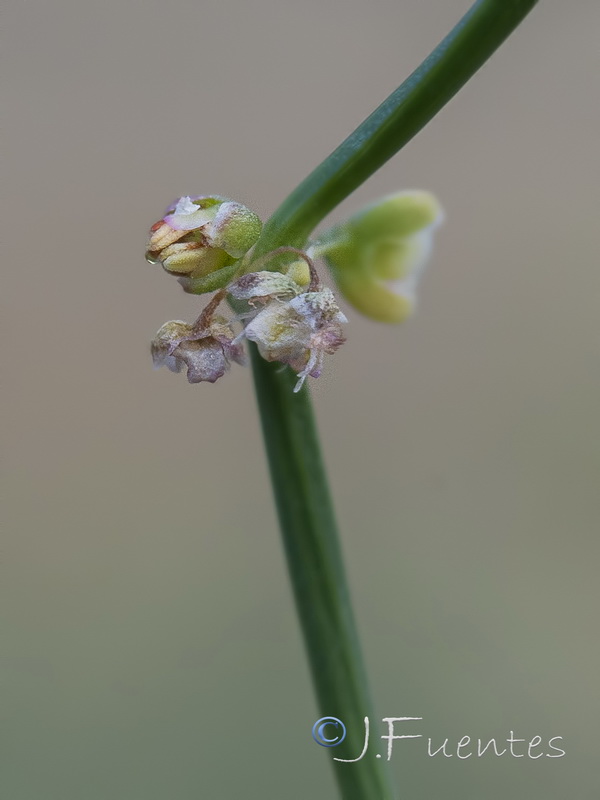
(376, 257)
(235, 229)
(299, 272)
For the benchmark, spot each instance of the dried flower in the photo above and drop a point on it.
(205, 349)
(297, 330)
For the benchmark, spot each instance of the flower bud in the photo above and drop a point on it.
(376, 257)
(299, 272)
(200, 235)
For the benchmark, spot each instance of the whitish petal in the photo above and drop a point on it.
(205, 360)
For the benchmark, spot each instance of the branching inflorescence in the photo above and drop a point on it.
(375, 258)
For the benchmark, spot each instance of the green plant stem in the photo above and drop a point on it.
(317, 573)
(394, 123)
(299, 481)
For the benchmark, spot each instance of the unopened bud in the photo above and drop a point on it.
(299, 272)
(376, 257)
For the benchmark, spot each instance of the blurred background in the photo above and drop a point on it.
(151, 648)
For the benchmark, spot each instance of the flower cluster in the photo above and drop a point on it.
(375, 258)
(288, 324)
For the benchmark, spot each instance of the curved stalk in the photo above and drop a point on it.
(299, 481)
(394, 123)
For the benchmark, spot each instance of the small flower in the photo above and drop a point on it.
(378, 255)
(199, 235)
(298, 330)
(204, 349)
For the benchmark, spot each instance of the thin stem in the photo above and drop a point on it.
(317, 573)
(394, 123)
(299, 481)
